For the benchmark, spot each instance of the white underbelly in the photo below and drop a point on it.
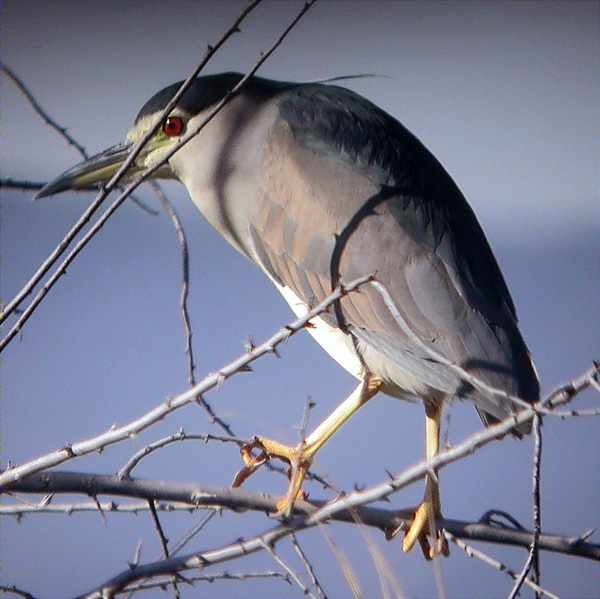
(397, 381)
(337, 344)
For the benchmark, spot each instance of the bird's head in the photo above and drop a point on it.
(192, 108)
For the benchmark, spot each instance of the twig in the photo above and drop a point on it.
(117, 434)
(137, 555)
(21, 184)
(533, 555)
(464, 374)
(308, 566)
(185, 287)
(19, 511)
(199, 561)
(86, 216)
(494, 563)
(208, 578)
(181, 435)
(490, 517)
(308, 406)
(193, 532)
(289, 571)
(240, 499)
(100, 511)
(164, 542)
(185, 277)
(16, 591)
(62, 131)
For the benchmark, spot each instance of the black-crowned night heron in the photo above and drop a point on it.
(315, 184)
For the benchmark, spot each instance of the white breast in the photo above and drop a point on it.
(397, 381)
(337, 344)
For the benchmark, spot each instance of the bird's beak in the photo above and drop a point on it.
(92, 172)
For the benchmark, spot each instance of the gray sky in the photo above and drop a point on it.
(506, 95)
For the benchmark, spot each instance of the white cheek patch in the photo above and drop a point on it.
(157, 154)
(141, 128)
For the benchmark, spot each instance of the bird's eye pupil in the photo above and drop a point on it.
(173, 126)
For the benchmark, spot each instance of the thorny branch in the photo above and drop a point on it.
(62, 131)
(18, 511)
(241, 547)
(494, 563)
(313, 512)
(533, 555)
(212, 381)
(21, 185)
(199, 497)
(164, 542)
(181, 435)
(208, 578)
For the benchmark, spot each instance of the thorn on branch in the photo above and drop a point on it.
(249, 344)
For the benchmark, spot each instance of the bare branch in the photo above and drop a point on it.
(240, 499)
(494, 563)
(310, 570)
(21, 185)
(194, 531)
(164, 542)
(16, 591)
(62, 131)
(289, 571)
(92, 506)
(117, 434)
(533, 555)
(185, 286)
(181, 435)
(208, 578)
(185, 277)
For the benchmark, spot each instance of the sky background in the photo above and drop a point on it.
(506, 95)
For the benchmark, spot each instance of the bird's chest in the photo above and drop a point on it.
(336, 343)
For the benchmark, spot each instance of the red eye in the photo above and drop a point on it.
(173, 126)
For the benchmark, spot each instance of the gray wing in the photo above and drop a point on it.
(348, 191)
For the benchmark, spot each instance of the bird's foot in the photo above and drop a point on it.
(299, 459)
(423, 524)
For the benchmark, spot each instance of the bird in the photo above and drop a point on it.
(316, 185)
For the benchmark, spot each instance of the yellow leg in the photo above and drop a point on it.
(300, 457)
(424, 521)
